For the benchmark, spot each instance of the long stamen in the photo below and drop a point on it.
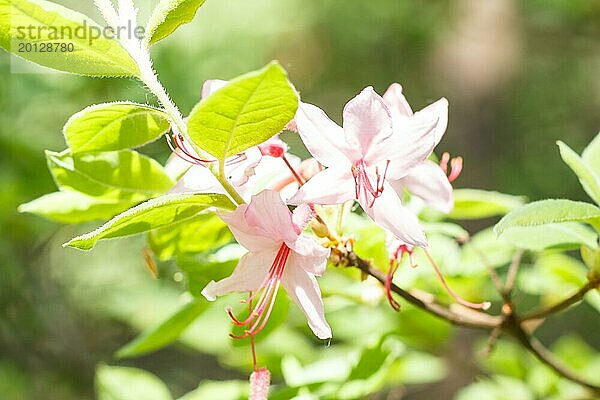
(478, 306)
(388, 284)
(268, 289)
(363, 183)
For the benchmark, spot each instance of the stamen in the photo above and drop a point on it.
(394, 263)
(268, 293)
(363, 183)
(456, 165)
(478, 306)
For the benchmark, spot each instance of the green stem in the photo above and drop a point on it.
(227, 186)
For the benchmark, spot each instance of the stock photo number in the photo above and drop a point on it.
(46, 47)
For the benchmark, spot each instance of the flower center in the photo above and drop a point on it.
(363, 183)
(266, 293)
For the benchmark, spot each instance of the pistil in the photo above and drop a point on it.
(363, 183)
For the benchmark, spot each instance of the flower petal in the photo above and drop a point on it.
(247, 276)
(331, 186)
(212, 85)
(323, 138)
(302, 287)
(428, 182)
(270, 217)
(389, 213)
(367, 121)
(197, 179)
(309, 255)
(412, 142)
(439, 111)
(397, 103)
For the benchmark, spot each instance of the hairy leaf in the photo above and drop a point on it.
(249, 110)
(114, 126)
(591, 154)
(168, 16)
(588, 178)
(153, 214)
(34, 22)
(565, 235)
(548, 212)
(166, 332)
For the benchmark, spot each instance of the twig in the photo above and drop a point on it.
(511, 275)
(468, 318)
(546, 357)
(569, 301)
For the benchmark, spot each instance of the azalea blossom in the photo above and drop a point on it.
(363, 158)
(278, 255)
(426, 180)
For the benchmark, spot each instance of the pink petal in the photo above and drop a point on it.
(270, 217)
(302, 216)
(439, 111)
(428, 182)
(411, 144)
(198, 179)
(389, 213)
(309, 255)
(323, 138)
(331, 186)
(302, 287)
(212, 85)
(247, 276)
(396, 102)
(367, 121)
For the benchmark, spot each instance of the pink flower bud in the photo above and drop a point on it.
(259, 384)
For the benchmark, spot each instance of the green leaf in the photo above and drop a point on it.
(566, 235)
(475, 204)
(124, 383)
(548, 212)
(114, 126)
(155, 213)
(73, 207)
(249, 110)
(202, 233)
(589, 180)
(591, 258)
(121, 175)
(166, 332)
(34, 22)
(591, 154)
(168, 16)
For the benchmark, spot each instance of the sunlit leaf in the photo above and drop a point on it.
(475, 204)
(565, 235)
(588, 178)
(73, 207)
(168, 16)
(114, 126)
(249, 110)
(591, 155)
(117, 175)
(548, 212)
(93, 54)
(153, 214)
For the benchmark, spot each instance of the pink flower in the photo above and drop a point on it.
(426, 180)
(278, 254)
(364, 157)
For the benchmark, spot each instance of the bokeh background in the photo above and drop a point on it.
(518, 75)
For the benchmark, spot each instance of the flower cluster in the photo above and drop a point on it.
(381, 152)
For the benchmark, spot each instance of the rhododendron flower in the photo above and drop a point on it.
(363, 158)
(278, 254)
(426, 180)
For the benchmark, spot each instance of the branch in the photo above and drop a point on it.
(546, 357)
(569, 301)
(462, 317)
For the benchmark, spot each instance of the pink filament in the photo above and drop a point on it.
(268, 293)
(181, 150)
(455, 296)
(363, 183)
(394, 262)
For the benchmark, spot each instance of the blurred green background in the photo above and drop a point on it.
(518, 75)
